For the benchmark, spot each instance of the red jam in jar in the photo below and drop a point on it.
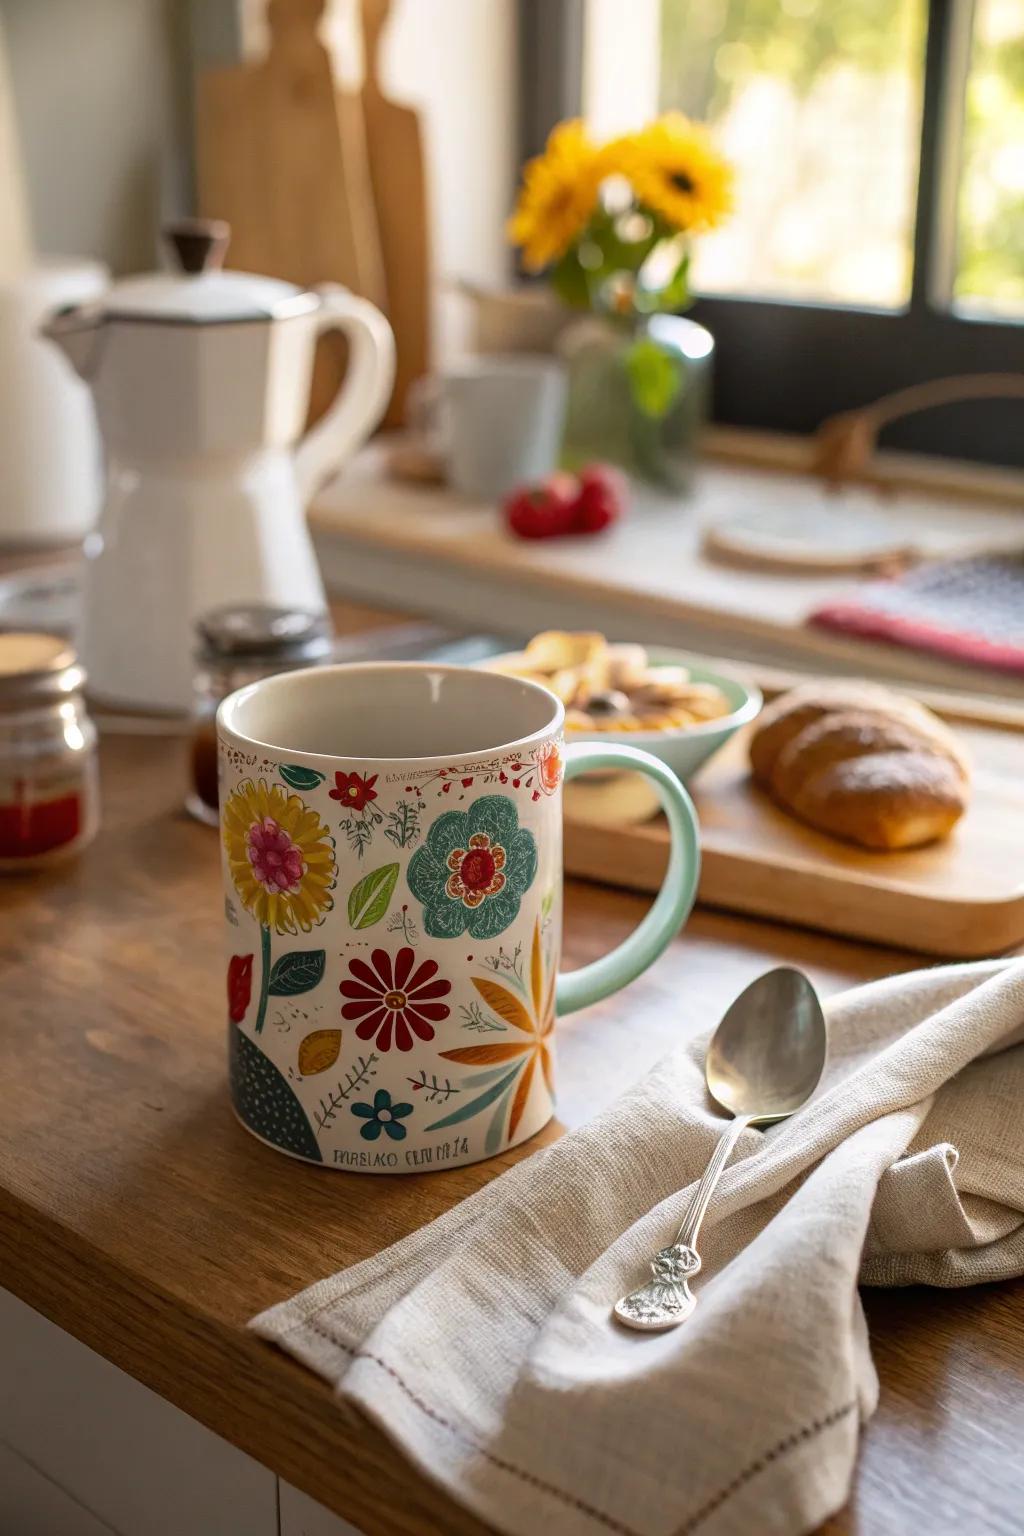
(49, 791)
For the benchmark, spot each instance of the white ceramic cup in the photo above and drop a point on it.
(392, 851)
(496, 420)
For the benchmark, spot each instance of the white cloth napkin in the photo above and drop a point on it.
(483, 1343)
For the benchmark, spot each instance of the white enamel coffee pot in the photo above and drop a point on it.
(201, 384)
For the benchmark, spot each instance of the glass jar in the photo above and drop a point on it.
(239, 645)
(638, 395)
(49, 777)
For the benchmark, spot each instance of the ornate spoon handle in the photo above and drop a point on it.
(666, 1299)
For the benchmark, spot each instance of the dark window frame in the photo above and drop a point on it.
(785, 366)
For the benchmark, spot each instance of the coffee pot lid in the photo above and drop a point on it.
(200, 292)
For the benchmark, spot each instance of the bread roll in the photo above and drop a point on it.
(861, 763)
(785, 717)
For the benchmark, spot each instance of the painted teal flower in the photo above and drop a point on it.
(382, 1115)
(473, 870)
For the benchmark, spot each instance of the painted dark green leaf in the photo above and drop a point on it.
(368, 900)
(298, 777)
(265, 1101)
(300, 970)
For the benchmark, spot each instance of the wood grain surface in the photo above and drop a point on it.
(960, 898)
(398, 175)
(137, 1214)
(281, 154)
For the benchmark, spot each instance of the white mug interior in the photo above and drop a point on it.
(391, 710)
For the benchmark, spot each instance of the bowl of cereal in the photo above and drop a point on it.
(666, 701)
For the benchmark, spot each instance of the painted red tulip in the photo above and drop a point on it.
(239, 986)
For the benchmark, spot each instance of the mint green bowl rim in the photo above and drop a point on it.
(702, 671)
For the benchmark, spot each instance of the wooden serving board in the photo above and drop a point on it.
(960, 898)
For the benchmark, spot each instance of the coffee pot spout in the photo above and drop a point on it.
(76, 331)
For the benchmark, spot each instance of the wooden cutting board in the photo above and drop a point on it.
(394, 142)
(961, 898)
(281, 155)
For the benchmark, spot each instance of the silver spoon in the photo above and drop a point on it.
(763, 1062)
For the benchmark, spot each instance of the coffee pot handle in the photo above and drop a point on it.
(364, 394)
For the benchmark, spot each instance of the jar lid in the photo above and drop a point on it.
(36, 668)
(261, 632)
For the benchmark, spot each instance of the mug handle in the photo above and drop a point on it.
(365, 390)
(672, 905)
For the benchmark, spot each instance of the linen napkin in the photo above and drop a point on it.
(484, 1346)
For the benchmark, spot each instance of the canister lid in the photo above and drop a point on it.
(255, 632)
(36, 668)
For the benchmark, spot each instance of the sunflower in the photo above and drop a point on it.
(281, 857)
(557, 196)
(676, 172)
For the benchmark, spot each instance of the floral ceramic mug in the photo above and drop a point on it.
(392, 849)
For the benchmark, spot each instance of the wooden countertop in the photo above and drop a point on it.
(138, 1215)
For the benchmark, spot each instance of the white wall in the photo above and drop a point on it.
(102, 100)
(455, 60)
(98, 88)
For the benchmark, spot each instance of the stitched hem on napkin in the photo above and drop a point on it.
(437, 1446)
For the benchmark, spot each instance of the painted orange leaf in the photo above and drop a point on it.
(522, 1094)
(318, 1051)
(504, 1004)
(486, 1055)
(536, 1025)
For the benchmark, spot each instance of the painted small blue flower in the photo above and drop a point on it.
(382, 1115)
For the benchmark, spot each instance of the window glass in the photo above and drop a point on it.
(818, 104)
(990, 245)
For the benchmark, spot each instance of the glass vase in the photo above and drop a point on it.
(638, 395)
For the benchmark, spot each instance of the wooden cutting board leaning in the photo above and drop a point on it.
(394, 141)
(322, 184)
(281, 155)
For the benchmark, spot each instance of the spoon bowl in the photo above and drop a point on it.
(763, 1063)
(767, 1055)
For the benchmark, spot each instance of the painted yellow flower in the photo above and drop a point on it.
(558, 195)
(281, 857)
(676, 171)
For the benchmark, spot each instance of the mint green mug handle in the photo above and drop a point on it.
(673, 902)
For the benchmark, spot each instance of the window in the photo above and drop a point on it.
(879, 148)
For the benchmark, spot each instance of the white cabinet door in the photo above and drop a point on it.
(30, 1505)
(116, 1448)
(302, 1516)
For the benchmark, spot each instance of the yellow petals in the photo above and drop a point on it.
(557, 197)
(675, 171)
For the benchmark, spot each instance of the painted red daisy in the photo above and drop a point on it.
(392, 1001)
(354, 790)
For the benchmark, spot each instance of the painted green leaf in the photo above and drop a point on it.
(654, 378)
(300, 970)
(298, 777)
(481, 1102)
(368, 900)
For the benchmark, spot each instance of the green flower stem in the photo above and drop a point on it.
(261, 1012)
